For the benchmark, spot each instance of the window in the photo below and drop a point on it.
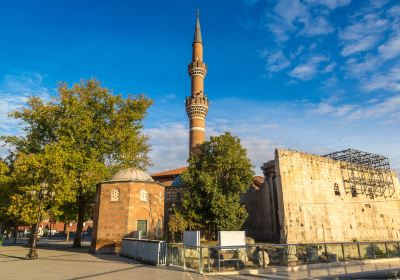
(142, 227)
(115, 195)
(143, 195)
(370, 193)
(336, 189)
(353, 191)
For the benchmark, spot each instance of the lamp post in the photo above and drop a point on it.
(41, 195)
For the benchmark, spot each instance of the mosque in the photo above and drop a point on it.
(302, 198)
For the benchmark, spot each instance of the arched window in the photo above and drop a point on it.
(115, 195)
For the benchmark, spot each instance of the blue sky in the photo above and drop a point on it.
(310, 75)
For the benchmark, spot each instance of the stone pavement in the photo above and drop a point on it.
(57, 260)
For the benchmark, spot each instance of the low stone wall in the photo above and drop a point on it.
(146, 251)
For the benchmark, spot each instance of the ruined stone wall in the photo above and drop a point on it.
(310, 211)
(259, 223)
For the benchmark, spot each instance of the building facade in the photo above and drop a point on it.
(131, 204)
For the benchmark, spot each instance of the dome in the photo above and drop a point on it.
(178, 182)
(132, 174)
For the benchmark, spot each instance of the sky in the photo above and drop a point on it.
(309, 75)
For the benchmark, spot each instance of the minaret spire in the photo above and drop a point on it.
(197, 29)
(197, 102)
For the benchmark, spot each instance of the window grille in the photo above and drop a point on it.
(143, 195)
(336, 189)
(115, 195)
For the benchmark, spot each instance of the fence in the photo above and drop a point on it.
(144, 250)
(255, 256)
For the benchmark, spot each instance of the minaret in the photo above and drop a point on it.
(197, 102)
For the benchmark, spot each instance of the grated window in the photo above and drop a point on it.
(143, 195)
(336, 189)
(115, 195)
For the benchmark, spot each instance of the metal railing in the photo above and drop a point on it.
(255, 256)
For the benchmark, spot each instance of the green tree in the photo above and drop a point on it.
(218, 174)
(5, 193)
(94, 133)
(176, 224)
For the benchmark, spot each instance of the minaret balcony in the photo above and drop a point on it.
(197, 110)
(197, 106)
(197, 68)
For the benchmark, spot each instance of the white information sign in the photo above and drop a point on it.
(191, 238)
(231, 238)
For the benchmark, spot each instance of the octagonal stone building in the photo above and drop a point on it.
(131, 202)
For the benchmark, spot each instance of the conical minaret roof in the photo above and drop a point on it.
(197, 29)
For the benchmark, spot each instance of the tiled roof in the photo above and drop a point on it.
(258, 181)
(167, 173)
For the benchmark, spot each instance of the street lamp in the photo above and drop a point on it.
(41, 195)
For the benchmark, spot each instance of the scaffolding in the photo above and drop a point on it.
(365, 173)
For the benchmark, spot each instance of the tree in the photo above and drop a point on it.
(218, 174)
(30, 173)
(94, 132)
(5, 193)
(176, 224)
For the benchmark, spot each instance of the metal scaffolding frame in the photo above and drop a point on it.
(365, 173)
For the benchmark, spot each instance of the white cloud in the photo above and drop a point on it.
(309, 69)
(330, 67)
(331, 4)
(169, 146)
(364, 34)
(276, 61)
(388, 80)
(386, 109)
(14, 92)
(391, 48)
(293, 16)
(358, 68)
(318, 25)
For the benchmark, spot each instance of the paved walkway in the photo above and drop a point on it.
(57, 260)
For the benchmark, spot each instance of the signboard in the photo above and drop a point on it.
(231, 238)
(191, 238)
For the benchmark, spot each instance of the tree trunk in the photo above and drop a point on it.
(79, 226)
(15, 232)
(30, 240)
(67, 232)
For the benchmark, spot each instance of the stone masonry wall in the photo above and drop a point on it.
(259, 223)
(114, 220)
(310, 211)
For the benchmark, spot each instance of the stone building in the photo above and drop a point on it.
(345, 196)
(131, 202)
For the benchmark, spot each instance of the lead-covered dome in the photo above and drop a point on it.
(132, 174)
